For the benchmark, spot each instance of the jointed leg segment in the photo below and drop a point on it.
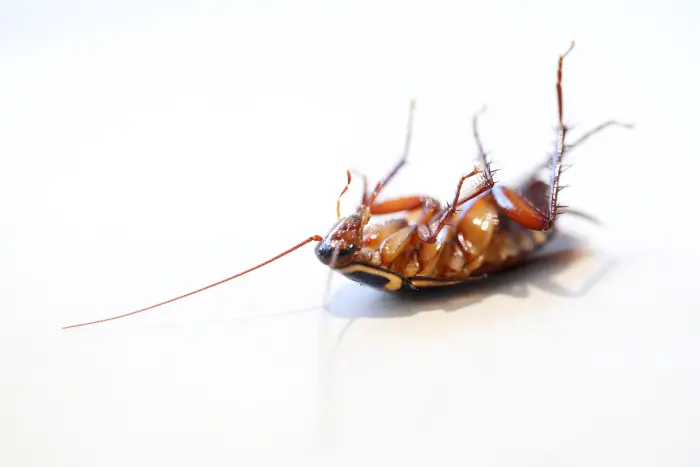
(594, 131)
(484, 185)
(414, 202)
(368, 200)
(407, 203)
(514, 204)
(431, 208)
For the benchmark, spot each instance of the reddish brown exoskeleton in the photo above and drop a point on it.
(488, 229)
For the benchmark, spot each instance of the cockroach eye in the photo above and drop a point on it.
(325, 251)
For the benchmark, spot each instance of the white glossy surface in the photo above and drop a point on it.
(149, 149)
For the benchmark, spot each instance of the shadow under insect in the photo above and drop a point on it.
(354, 301)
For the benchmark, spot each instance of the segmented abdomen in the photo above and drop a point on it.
(478, 239)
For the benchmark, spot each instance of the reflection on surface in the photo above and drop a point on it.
(398, 352)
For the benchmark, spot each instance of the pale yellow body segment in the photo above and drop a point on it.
(479, 239)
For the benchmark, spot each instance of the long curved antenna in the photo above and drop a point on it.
(313, 238)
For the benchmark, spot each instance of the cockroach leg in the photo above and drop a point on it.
(486, 184)
(547, 163)
(365, 186)
(520, 210)
(514, 204)
(424, 233)
(343, 192)
(560, 99)
(481, 188)
(395, 205)
(402, 161)
(430, 206)
(598, 129)
(485, 163)
(483, 160)
(313, 238)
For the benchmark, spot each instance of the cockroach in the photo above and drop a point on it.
(483, 231)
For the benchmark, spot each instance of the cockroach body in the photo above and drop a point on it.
(487, 229)
(479, 239)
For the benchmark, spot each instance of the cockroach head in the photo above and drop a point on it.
(344, 239)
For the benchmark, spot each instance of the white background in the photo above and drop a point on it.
(151, 147)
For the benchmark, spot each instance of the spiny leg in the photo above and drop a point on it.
(548, 162)
(560, 149)
(431, 209)
(369, 200)
(514, 204)
(483, 158)
(468, 202)
(485, 163)
(534, 190)
(484, 185)
(597, 130)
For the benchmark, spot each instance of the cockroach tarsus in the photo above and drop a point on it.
(487, 229)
